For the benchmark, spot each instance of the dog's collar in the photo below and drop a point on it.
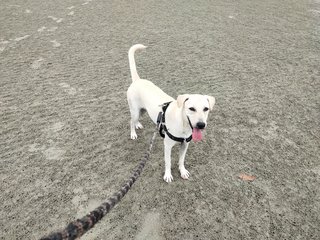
(161, 123)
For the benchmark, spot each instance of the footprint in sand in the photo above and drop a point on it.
(316, 170)
(87, 2)
(3, 45)
(53, 18)
(53, 153)
(52, 29)
(14, 5)
(84, 205)
(271, 132)
(150, 227)
(55, 43)
(66, 87)
(57, 20)
(41, 29)
(35, 147)
(56, 127)
(37, 63)
(21, 38)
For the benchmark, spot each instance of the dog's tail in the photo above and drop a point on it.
(132, 62)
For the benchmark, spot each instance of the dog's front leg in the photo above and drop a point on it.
(182, 153)
(168, 144)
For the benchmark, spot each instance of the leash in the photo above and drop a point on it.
(79, 227)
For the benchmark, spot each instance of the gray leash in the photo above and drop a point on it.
(79, 227)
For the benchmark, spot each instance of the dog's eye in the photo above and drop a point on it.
(192, 109)
(205, 109)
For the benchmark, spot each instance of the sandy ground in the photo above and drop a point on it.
(64, 130)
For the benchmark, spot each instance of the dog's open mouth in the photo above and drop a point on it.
(196, 134)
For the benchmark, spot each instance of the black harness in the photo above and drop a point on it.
(161, 123)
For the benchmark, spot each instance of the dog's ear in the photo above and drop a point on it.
(181, 99)
(211, 101)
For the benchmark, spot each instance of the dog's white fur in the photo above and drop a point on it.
(143, 94)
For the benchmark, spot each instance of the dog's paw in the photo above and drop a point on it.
(168, 177)
(139, 125)
(134, 136)
(184, 173)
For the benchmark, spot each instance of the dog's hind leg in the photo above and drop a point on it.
(134, 123)
(138, 125)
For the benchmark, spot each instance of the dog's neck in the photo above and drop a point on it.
(177, 121)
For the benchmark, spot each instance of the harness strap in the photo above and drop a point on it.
(161, 123)
(177, 139)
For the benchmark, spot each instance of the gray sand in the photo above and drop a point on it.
(64, 130)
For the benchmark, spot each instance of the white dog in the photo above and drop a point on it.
(180, 119)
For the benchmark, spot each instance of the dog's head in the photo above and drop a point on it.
(196, 107)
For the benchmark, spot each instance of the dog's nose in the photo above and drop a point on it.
(201, 125)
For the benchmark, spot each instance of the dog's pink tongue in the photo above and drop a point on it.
(196, 135)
